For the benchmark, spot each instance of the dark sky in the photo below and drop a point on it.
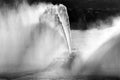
(89, 11)
(85, 10)
(86, 3)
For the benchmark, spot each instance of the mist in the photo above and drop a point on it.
(26, 29)
(32, 39)
(97, 48)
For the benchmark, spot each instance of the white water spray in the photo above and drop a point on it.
(93, 44)
(50, 29)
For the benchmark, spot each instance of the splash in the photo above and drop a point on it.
(42, 29)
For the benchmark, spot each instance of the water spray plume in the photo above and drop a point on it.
(33, 37)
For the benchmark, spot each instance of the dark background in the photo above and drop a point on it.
(82, 11)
